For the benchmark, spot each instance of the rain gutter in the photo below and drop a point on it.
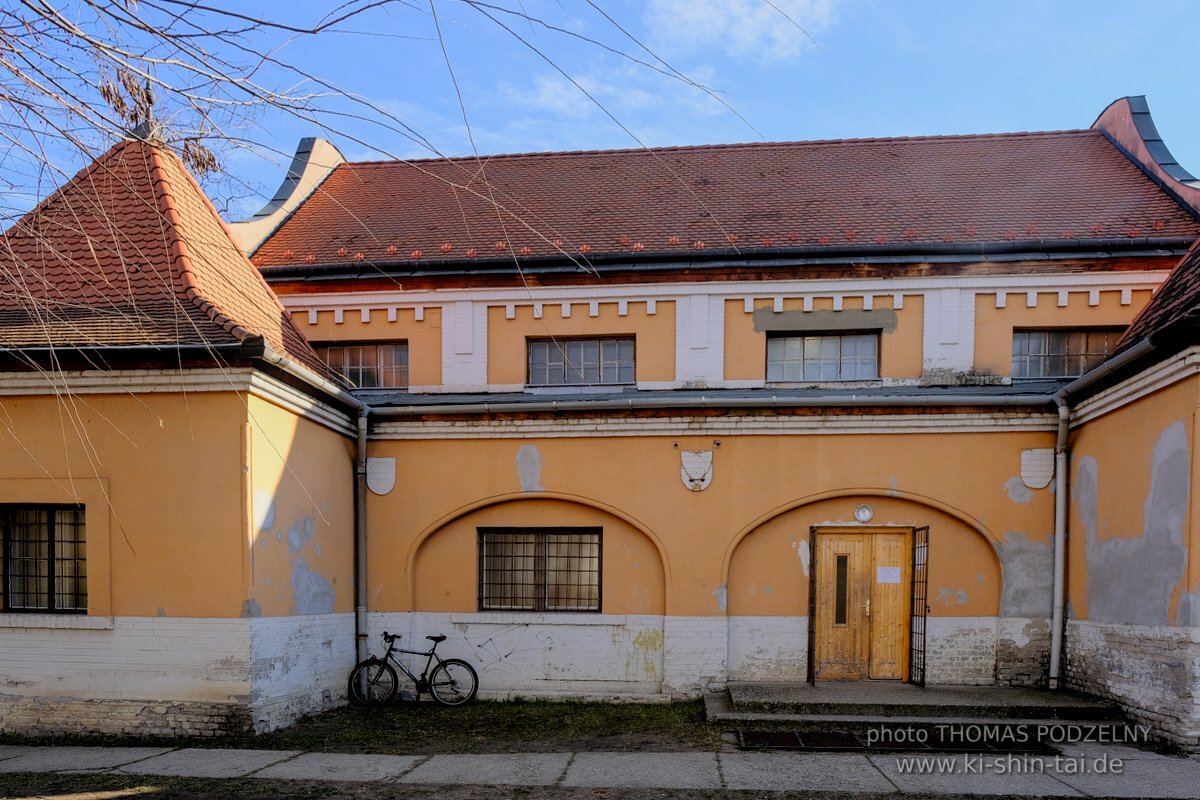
(705, 401)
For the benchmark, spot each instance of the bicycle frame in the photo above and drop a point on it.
(431, 657)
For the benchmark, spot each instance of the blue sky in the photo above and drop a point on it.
(877, 68)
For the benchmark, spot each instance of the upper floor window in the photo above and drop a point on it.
(823, 357)
(382, 365)
(1061, 352)
(45, 559)
(581, 362)
(539, 569)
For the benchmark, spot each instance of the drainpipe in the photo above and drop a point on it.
(1061, 499)
(360, 481)
(360, 536)
(1060, 535)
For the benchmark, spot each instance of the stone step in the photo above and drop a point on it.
(878, 699)
(894, 731)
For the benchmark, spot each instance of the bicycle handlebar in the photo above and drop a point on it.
(389, 637)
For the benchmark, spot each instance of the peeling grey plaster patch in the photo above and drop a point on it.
(803, 553)
(299, 534)
(251, 608)
(722, 595)
(529, 468)
(1027, 576)
(1188, 611)
(1018, 492)
(312, 593)
(884, 319)
(1131, 580)
(952, 597)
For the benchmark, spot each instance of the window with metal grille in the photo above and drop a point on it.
(823, 357)
(539, 569)
(581, 362)
(1061, 352)
(383, 365)
(45, 559)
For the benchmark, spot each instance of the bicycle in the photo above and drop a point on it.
(374, 682)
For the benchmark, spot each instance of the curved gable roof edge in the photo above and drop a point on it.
(314, 161)
(1128, 125)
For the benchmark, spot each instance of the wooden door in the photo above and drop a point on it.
(889, 605)
(861, 623)
(842, 643)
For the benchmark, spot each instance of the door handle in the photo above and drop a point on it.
(867, 608)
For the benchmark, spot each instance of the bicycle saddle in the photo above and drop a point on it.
(436, 639)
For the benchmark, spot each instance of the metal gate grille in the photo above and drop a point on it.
(919, 607)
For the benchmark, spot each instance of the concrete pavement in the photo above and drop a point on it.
(1080, 771)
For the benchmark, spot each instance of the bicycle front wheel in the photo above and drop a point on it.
(453, 683)
(372, 683)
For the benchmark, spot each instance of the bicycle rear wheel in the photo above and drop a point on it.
(372, 683)
(453, 683)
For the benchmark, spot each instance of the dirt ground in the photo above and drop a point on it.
(114, 787)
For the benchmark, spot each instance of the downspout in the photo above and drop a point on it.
(360, 535)
(1061, 493)
(1060, 536)
(360, 483)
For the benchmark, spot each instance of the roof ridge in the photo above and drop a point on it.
(199, 190)
(160, 183)
(727, 146)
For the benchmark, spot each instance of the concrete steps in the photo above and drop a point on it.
(881, 717)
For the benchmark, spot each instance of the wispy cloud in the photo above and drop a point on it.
(760, 30)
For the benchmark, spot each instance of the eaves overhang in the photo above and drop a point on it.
(748, 258)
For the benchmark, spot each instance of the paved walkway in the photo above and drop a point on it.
(1081, 770)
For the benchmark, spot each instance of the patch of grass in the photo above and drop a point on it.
(485, 727)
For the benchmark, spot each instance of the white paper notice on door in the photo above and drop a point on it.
(887, 574)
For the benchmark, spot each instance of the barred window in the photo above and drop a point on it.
(1061, 352)
(383, 365)
(45, 559)
(823, 357)
(539, 569)
(581, 362)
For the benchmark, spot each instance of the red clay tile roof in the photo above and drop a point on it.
(1175, 300)
(988, 188)
(131, 252)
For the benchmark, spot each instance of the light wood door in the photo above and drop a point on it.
(862, 587)
(890, 598)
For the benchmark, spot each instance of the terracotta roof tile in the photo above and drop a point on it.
(131, 252)
(1175, 300)
(935, 189)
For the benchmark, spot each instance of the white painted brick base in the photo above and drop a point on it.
(960, 650)
(298, 666)
(584, 654)
(768, 648)
(166, 675)
(1152, 671)
(695, 655)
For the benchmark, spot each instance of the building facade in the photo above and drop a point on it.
(636, 423)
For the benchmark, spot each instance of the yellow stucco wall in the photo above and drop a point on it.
(632, 575)
(169, 499)
(161, 478)
(301, 556)
(654, 334)
(1132, 519)
(994, 326)
(769, 570)
(899, 350)
(424, 338)
(911, 479)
